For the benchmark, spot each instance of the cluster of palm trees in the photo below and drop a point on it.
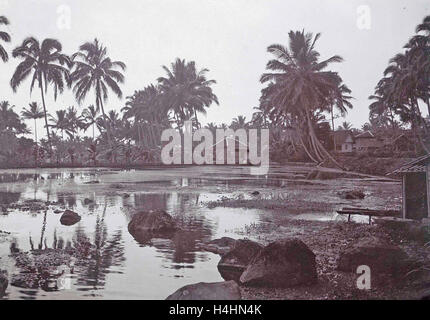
(405, 86)
(180, 95)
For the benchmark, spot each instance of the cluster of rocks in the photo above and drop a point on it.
(287, 263)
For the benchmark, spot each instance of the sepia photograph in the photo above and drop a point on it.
(214, 150)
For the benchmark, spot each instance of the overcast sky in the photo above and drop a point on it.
(229, 37)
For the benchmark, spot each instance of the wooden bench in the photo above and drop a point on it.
(369, 212)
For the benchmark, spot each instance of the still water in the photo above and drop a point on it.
(119, 267)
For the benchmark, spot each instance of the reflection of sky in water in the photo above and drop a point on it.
(123, 268)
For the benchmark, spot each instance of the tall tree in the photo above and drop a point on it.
(34, 112)
(186, 91)
(299, 86)
(60, 122)
(90, 116)
(10, 121)
(48, 66)
(94, 69)
(4, 36)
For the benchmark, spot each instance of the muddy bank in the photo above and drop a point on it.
(327, 240)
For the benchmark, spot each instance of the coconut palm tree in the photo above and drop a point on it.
(48, 66)
(149, 114)
(34, 112)
(299, 86)
(90, 116)
(239, 123)
(60, 122)
(75, 122)
(345, 126)
(186, 91)
(95, 70)
(4, 36)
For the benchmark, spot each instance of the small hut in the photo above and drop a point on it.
(415, 188)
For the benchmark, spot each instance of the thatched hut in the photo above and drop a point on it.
(415, 188)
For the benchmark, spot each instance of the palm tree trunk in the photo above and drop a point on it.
(106, 120)
(93, 130)
(46, 116)
(35, 130)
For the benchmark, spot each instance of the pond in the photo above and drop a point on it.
(119, 266)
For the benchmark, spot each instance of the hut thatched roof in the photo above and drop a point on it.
(417, 165)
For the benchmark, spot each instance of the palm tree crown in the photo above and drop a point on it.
(34, 112)
(94, 69)
(4, 36)
(47, 64)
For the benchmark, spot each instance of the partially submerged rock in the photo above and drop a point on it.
(379, 255)
(283, 263)
(149, 224)
(228, 290)
(3, 283)
(234, 262)
(352, 194)
(220, 246)
(88, 201)
(70, 218)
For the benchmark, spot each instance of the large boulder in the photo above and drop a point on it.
(228, 290)
(151, 224)
(283, 263)
(3, 284)
(70, 218)
(378, 254)
(220, 246)
(234, 262)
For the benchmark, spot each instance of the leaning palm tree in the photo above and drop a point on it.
(4, 36)
(299, 86)
(48, 66)
(34, 112)
(94, 69)
(90, 116)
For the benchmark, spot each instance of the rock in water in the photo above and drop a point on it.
(234, 262)
(88, 201)
(228, 290)
(70, 218)
(379, 255)
(3, 284)
(283, 263)
(149, 224)
(220, 246)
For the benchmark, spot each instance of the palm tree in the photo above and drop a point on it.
(4, 36)
(149, 114)
(34, 112)
(239, 123)
(74, 121)
(186, 91)
(299, 87)
(60, 122)
(94, 69)
(47, 64)
(345, 126)
(90, 116)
